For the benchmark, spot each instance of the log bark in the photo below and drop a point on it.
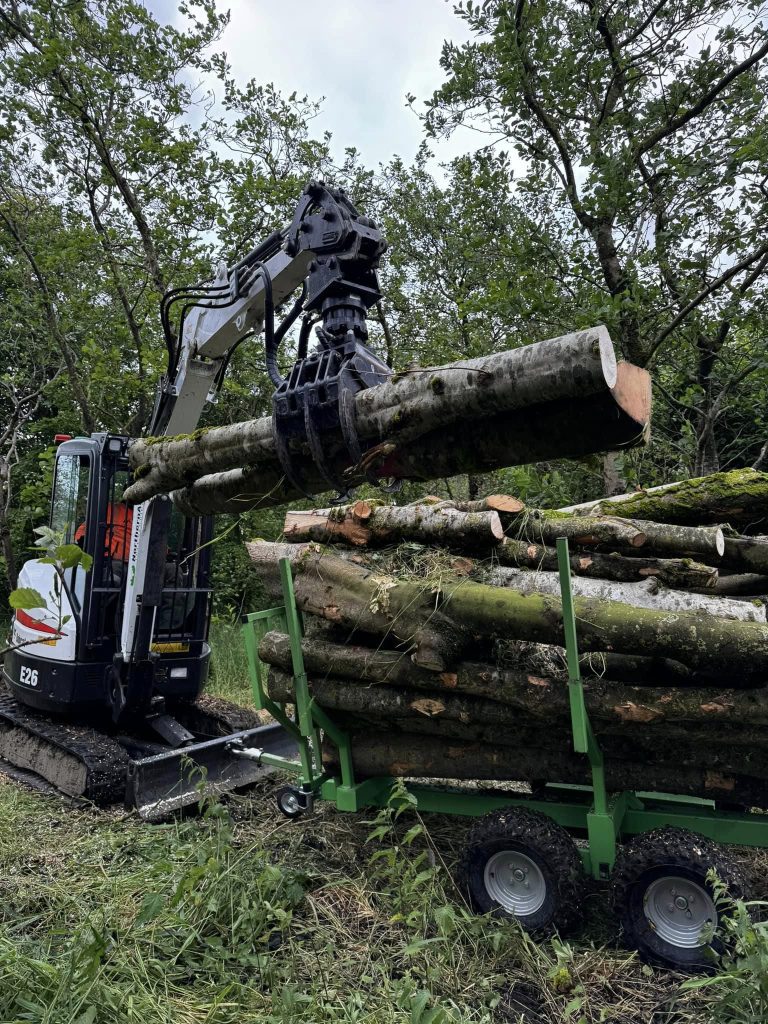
(416, 756)
(744, 585)
(365, 523)
(646, 594)
(588, 531)
(675, 749)
(386, 684)
(566, 428)
(746, 555)
(407, 406)
(681, 573)
(501, 503)
(738, 497)
(436, 622)
(658, 538)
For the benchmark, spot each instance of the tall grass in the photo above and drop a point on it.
(229, 666)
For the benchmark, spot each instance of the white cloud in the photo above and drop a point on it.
(363, 56)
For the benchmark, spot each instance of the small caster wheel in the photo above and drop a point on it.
(521, 864)
(664, 900)
(294, 802)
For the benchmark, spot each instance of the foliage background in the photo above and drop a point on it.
(620, 179)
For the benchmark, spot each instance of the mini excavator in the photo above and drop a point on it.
(102, 695)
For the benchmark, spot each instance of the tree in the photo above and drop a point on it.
(644, 127)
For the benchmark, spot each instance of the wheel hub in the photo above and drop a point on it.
(515, 882)
(678, 909)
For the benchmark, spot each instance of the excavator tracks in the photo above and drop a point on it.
(85, 765)
(74, 759)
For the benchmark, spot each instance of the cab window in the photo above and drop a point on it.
(70, 495)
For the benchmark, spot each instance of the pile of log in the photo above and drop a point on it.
(435, 636)
(562, 398)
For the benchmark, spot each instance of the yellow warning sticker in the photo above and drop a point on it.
(171, 647)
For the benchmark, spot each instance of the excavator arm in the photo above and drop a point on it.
(331, 253)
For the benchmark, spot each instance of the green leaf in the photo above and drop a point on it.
(151, 907)
(69, 555)
(26, 598)
(88, 1017)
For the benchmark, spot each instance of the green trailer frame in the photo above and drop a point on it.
(591, 812)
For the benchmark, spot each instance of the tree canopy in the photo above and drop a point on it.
(619, 177)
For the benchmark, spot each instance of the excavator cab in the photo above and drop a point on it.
(72, 644)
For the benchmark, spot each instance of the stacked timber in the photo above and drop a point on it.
(438, 637)
(562, 398)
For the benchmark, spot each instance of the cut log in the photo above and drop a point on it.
(589, 531)
(659, 538)
(385, 684)
(746, 555)
(681, 573)
(504, 504)
(418, 756)
(744, 585)
(738, 497)
(436, 622)
(676, 748)
(450, 440)
(365, 523)
(405, 407)
(646, 594)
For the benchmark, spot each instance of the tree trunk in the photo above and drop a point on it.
(659, 538)
(436, 622)
(746, 554)
(742, 585)
(415, 756)
(366, 522)
(386, 684)
(682, 573)
(738, 497)
(554, 399)
(646, 594)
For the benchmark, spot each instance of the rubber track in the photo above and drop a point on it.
(104, 759)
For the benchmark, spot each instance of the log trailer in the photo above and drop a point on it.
(102, 684)
(528, 856)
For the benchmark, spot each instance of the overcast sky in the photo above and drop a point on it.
(363, 56)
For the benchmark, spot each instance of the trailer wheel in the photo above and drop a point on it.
(520, 863)
(665, 902)
(290, 802)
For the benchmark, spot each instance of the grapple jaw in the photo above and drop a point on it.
(315, 402)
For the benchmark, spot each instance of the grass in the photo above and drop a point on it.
(229, 664)
(242, 916)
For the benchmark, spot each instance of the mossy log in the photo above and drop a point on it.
(647, 593)
(403, 408)
(367, 523)
(738, 497)
(680, 573)
(436, 622)
(421, 756)
(520, 662)
(427, 424)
